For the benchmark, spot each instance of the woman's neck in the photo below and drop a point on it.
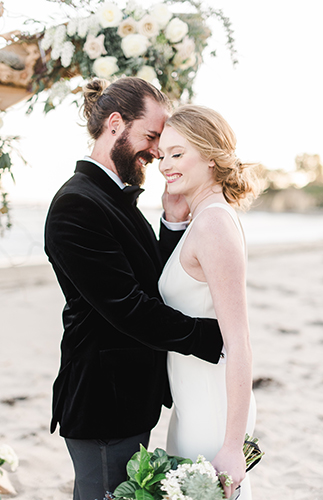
(211, 194)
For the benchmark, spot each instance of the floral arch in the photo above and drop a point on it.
(163, 44)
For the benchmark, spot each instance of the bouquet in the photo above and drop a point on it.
(156, 476)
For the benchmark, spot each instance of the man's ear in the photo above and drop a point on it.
(115, 124)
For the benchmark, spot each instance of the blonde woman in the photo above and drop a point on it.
(206, 277)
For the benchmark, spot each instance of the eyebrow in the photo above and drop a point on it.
(152, 132)
(173, 147)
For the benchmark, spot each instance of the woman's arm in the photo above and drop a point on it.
(220, 254)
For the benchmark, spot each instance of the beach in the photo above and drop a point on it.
(285, 297)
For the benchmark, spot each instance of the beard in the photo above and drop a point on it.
(126, 161)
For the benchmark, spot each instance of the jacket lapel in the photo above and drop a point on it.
(145, 232)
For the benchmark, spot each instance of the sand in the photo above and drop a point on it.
(285, 293)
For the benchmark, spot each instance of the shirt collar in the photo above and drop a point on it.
(111, 174)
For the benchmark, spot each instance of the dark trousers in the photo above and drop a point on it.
(100, 465)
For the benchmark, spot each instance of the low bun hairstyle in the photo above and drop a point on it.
(215, 140)
(126, 96)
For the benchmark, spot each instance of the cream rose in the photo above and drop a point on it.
(104, 67)
(127, 27)
(148, 26)
(109, 15)
(176, 30)
(134, 45)
(185, 56)
(161, 13)
(94, 46)
(147, 73)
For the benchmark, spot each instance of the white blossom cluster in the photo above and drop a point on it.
(8, 455)
(175, 479)
(138, 31)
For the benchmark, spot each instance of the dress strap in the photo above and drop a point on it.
(234, 217)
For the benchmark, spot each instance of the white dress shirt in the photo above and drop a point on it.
(173, 226)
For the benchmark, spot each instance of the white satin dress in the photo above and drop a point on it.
(198, 419)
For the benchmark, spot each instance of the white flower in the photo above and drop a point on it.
(185, 56)
(60, 34)
(104, 67)
(134, 45)
(94, 46)
(48, 39)
(127, 27)
(109, 15)
(72, 27)
(176, 30)
(147, 73)
(59, 91)
(148, 26)
(8, 455)
(161, 13)
(83, 27)
(56, 52)
(93, 25)
(67, 54)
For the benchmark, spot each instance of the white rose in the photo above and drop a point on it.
(185, 56)
(127, 27)
(134, 45)
(104, 67)
(60, 34)
(109, 15)
(161, 13)
(176, 30)
(48, 39)
(8, 455)
(148, 26)
(147, 73)
(67, 54)
(94, 46)
(184, 62)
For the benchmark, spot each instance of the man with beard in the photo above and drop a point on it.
(112, 380)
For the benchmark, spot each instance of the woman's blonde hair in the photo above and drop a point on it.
(215, 140)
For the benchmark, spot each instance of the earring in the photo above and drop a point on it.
(113, 132)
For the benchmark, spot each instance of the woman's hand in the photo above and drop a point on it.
(175, 207)
(232, 462)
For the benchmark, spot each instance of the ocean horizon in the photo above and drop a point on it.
(23, 243)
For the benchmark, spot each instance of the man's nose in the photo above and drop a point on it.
(153, 150)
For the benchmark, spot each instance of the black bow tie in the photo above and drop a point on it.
(132, 193)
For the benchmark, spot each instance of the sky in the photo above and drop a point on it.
(272, 99)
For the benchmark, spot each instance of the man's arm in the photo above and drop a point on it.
(94, 261)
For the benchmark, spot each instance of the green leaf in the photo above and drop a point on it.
(143, 495)
(155, 479)
(126, 489)
(5, 161)
(133, 465)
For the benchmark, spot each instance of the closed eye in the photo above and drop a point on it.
(177, 155)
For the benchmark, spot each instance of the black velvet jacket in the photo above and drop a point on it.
(112, 379)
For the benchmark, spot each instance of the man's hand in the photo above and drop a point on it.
(175, 207)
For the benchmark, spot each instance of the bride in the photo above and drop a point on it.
(206, 277)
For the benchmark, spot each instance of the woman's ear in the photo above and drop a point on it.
(211, 163)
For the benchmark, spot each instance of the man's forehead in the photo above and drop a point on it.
(155, 116)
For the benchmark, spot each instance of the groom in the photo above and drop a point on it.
(112, 380)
